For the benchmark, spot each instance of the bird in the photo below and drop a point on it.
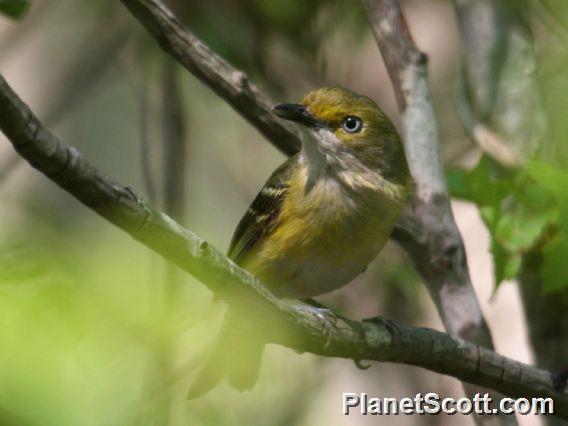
(318, 221)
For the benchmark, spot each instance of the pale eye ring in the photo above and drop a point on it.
(352, 124)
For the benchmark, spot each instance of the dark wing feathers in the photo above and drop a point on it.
(263, 214)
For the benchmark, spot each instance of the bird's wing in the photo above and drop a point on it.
(264, 213)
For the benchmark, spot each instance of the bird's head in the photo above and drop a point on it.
(349, 128)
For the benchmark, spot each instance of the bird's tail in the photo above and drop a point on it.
(236, 353)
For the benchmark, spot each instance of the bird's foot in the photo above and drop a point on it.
(325, 317)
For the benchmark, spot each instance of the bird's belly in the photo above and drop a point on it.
(305, 260)
(298, 279)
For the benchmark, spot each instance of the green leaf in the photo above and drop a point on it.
(489, 215)
(15, 9)
(549, 177)
(553, 269)
(506, 265)
(555, 181)
(458, 183)
(518, 230)
(518, 208)
(479, 185)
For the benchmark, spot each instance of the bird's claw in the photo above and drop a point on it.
(326, 318)
(328, 321)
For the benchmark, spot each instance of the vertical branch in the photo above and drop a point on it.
(407, 68)
(174, 135)
(174, 188)
(146, 163)
(498, 102)
(174, 164)
(428, 231)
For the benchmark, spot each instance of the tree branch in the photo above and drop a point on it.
(230, 84)
(428, 232)
(174, 132)
(497, 97)
(431, 236)
(376, 339)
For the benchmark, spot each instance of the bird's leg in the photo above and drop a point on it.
(328, 319)
(325, 316)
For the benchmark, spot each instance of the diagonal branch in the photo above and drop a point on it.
(229, 83)
(376, 339)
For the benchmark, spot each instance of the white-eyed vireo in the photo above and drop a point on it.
(320, 218)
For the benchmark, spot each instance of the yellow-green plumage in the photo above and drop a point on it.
(323, 215)
(323, 238)
(336, 205)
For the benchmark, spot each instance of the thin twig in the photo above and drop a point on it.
(146, 164)
(175, 138)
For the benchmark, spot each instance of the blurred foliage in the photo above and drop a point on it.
(527, 209)
(15, 9)
(552, 50)
(522, 210)
(248, 32)
(87, 340)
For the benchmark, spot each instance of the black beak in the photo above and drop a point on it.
(295, 112)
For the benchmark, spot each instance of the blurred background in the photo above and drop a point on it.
(97, 330)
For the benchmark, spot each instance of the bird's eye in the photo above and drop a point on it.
(352, 124)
